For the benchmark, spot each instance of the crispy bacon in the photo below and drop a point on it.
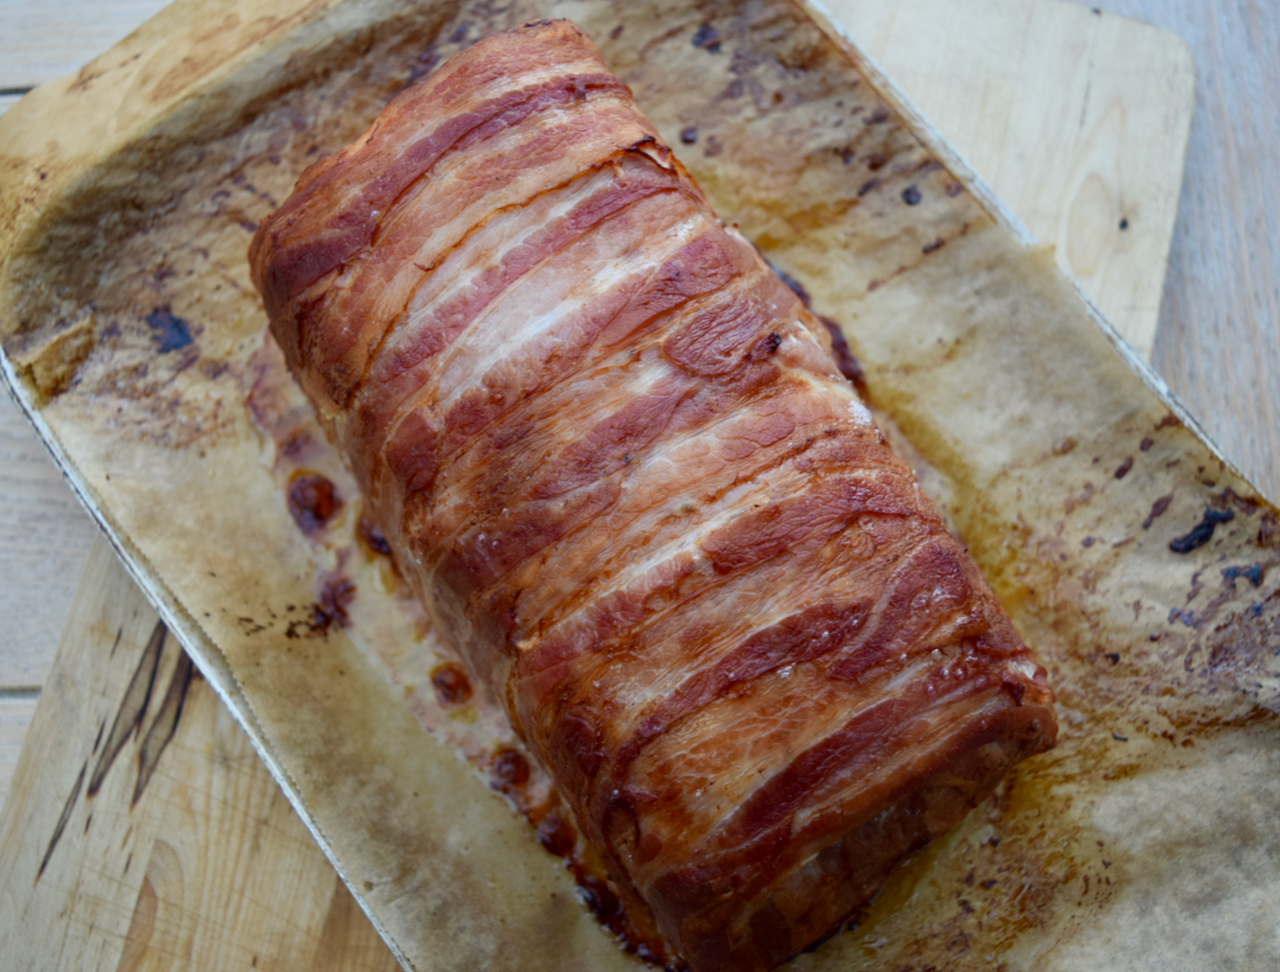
(615, 456)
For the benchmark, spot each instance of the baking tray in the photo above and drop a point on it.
(1128, 551)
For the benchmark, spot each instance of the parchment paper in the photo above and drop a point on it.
(1138, 563)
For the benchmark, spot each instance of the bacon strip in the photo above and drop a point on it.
(616, 459)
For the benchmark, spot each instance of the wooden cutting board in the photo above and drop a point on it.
(143, 833)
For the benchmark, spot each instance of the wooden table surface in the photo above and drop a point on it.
(1218, 343)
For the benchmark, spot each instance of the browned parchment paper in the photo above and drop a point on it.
(1142, 568)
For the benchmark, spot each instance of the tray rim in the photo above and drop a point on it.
(204, 651)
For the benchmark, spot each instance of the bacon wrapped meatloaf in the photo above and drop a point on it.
(614, 455)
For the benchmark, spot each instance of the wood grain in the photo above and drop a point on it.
(16, 711)
(143, 830)
(1218, 344)
(45, 535)
(55, 39)
(1079, 124)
